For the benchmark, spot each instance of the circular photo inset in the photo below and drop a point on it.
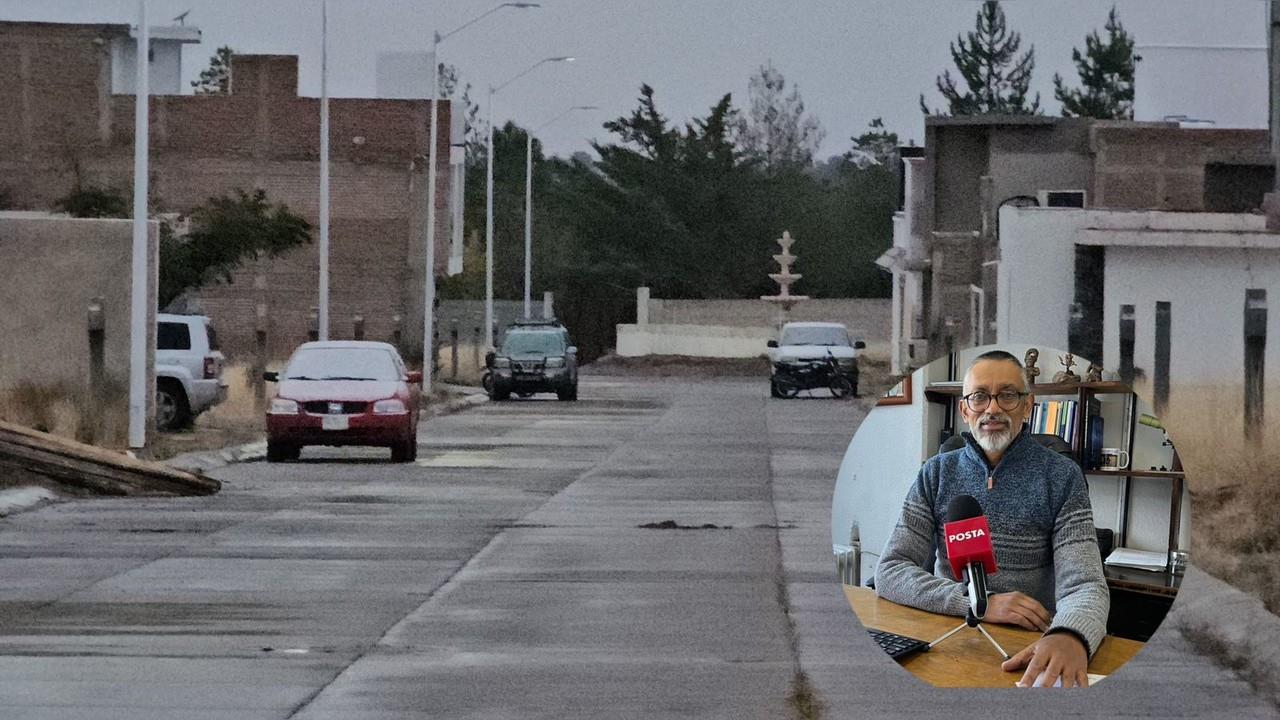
(1010, 515)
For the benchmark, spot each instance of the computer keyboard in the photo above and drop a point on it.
(897, 646)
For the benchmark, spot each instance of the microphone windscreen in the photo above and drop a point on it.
(963, 507)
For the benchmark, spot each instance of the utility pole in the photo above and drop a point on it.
(1273, 67)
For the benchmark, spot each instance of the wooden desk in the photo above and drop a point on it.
(966, 659)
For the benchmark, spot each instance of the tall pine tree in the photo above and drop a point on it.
(1106, 75)
(997, 80)
(775, 130)
(215, 79)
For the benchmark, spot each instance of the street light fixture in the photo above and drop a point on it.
(429, 295)
(488, 225)
(528, 206)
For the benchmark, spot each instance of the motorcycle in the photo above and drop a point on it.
(789, 378)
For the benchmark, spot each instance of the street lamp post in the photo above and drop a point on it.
(138, 328)
(528, 207)
(323, 324)
(488, 201)
(429, 294)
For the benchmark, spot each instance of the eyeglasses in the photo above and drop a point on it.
(1006, 399)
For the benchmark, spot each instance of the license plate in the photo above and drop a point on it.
(335, 422)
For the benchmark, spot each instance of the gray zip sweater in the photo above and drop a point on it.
(1041, 527)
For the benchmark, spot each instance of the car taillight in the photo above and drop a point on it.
(210, 368)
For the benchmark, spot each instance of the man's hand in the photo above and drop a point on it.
(1014, 608)
(1060, 655)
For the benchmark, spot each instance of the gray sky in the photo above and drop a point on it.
(852, 60)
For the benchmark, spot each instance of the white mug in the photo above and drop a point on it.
(1114, 459)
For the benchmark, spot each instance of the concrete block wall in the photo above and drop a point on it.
(54, 269)
(1145, 167)
(868, 318)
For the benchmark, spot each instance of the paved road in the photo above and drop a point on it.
(506, 575)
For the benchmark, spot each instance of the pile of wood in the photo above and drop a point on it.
(30, 456)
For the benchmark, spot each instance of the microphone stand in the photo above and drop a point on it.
(977, 582)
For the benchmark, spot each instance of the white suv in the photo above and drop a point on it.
(188, 369)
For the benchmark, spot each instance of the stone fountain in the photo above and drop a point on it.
(784, 300)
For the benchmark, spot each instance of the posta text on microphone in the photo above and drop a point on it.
(969, 541)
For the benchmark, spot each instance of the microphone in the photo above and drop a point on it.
(969, 549)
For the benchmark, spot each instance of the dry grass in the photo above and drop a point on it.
(100, 417)
(469, 368)
(235, 421)
(1235, 531)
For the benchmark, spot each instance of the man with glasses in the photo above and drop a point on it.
(1036, 501)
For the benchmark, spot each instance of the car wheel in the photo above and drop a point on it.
(841, 387)
(486, 382)
(567, 394)
(172, 410)
(500, 395)
(784, 386)
(406, 451)
(282, 452)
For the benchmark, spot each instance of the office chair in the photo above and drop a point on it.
(1053, 442)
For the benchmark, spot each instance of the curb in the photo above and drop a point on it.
(202, 462)
(1232, 627)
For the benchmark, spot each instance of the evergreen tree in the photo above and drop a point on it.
(215, 79)
(1106, 75)
(775, 130)
(875, 146)
(996, 79)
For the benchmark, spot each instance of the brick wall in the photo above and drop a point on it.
(1145, 167)
(62, 125)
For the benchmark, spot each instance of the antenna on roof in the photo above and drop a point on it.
(181, 19)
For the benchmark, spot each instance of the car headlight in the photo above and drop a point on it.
(281, 406)
(393, 406)
(502, 362)
(555, 362)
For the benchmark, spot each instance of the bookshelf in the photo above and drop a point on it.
(1085, 395)
(1139, 597)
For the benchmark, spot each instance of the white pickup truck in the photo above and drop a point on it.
(188, 369)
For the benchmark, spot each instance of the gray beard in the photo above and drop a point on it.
(993, 442)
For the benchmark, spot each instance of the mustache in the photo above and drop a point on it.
(993, 417)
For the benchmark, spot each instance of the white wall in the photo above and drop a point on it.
(1206, 287)
(1036, 277)
(694, 340)
(878, 468)
(166, 66)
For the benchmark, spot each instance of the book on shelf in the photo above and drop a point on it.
(1056, 417)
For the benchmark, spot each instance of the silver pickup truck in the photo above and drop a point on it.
(188, 369)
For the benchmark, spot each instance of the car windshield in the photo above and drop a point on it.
(533, 343)
(815, 336)
(342, 364)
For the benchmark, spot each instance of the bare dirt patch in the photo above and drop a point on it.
(678, 366)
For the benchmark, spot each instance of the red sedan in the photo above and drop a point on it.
(344, 393)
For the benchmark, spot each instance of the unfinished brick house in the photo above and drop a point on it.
(68, 120)
(946, 256)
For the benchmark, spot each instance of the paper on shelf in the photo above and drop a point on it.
(1138, 559)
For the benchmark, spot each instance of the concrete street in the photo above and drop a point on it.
(507, 574)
